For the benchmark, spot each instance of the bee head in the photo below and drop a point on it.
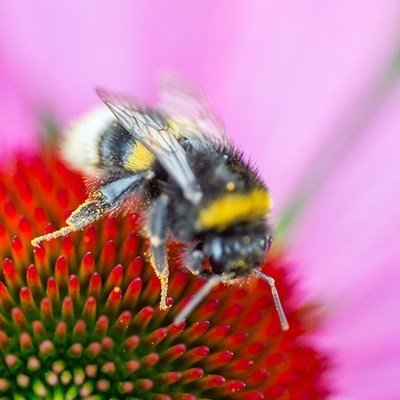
(236, 253)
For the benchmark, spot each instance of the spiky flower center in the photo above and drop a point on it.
(79, 316)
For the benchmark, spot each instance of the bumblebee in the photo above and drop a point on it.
(195, 186)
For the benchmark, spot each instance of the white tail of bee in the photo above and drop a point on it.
(275, 296)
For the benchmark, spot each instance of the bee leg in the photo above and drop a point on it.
(194, 261)
(278, 305)
(103, 200)
(212, 281)
(158, 230)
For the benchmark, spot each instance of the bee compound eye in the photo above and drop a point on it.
(216, 249)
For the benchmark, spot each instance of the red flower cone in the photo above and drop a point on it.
(79, 316)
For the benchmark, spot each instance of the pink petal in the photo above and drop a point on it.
(350, 246)
(279, 73)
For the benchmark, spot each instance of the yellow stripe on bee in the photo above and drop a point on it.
(140, 158)
(235, 207)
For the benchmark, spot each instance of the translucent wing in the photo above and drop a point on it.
(149, 127)
(188, 108)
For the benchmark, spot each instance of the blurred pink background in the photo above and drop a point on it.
(309, 89)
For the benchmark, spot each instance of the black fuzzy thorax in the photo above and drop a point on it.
(215, 165)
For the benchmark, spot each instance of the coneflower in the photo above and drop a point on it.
(79, 316)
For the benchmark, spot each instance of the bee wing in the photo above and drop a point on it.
(148, 126)
(188, 108)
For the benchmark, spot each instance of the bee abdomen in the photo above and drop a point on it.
(97, 141)
(119, 148)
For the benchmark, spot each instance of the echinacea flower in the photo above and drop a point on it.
(79, 317)
(294, 82)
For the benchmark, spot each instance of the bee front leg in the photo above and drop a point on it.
(107, 197)
(158, 230)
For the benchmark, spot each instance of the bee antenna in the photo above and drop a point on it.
(203, 292)
(275, 296)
